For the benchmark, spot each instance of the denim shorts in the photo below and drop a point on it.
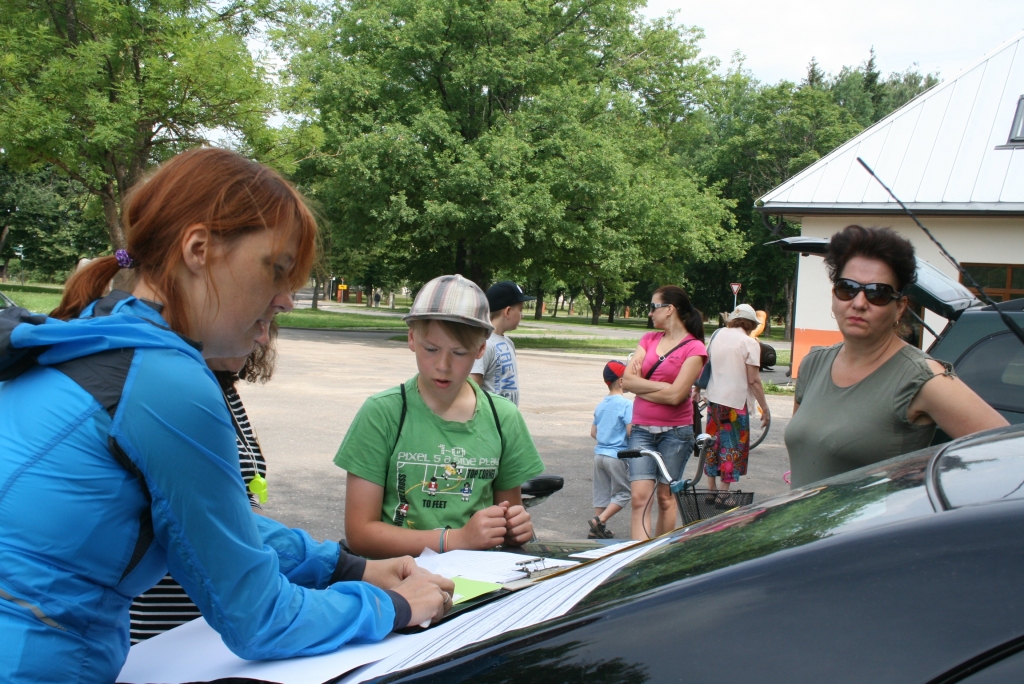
(675, 446)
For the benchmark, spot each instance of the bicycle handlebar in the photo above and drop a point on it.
(704, 442)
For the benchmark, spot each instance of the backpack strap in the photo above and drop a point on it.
(401, 418)
(647, 376)
(497, 423)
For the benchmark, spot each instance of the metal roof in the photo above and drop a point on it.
(944, 152)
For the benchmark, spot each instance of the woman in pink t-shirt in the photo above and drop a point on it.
(661, 375)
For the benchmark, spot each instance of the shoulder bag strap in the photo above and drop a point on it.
(657, 363)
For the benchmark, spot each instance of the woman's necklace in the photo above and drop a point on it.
(257, 485)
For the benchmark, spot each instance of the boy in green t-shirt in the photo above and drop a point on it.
(438, 452)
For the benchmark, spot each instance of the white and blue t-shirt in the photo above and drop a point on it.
(611, 417)
(498, 366)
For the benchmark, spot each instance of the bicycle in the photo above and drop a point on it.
(694, 506)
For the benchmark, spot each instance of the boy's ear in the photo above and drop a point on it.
(412, 341)
(480, 353)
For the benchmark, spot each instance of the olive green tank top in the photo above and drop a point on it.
(838, 429)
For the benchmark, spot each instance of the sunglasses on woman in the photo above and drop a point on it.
(878, 294)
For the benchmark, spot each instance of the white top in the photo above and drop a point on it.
(498, 366)
(730, 352)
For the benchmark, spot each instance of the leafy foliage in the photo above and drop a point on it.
(101, 89)
(522, 137)
(52, 218)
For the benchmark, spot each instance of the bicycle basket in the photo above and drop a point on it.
(701, 504)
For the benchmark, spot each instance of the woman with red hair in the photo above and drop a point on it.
(120, 462)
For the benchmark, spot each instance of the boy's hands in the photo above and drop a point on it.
(485, 530)
(518, 525)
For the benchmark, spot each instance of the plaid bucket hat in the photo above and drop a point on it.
(451, 298)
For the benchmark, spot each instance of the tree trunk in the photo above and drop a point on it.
(598, 302)
(113, 218)
(611, 312)
(572, 300)
(3, 241)
(790, 291)
(369, 294)
(558, 296)
(316, 290)
(539, 311)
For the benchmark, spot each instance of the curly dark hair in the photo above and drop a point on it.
(883, 244)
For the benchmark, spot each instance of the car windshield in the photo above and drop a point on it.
(889, 491)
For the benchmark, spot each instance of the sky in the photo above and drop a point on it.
(779, 37)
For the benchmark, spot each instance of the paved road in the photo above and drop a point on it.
(323, 377)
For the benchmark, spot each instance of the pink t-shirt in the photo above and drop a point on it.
(647, 412)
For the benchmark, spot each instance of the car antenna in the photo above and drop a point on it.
(1007, 321)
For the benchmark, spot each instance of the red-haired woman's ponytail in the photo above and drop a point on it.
(86, 286)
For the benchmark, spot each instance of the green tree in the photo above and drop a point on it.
(522, 137)
(54, 220)
(101, 89)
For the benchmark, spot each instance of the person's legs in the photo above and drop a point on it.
(667, 513)
(607, 513)
(641, 492)
(641, 483)
(602, 496)
(619, 477)
(675, 447)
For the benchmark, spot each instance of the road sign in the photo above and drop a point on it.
(343, 287)
(735, 287)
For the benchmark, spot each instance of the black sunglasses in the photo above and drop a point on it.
(658, 306)
(878, 294)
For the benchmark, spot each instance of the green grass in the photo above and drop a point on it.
(308, 318)
(37, 302)
(782, 357)
(30, 287)
(772, 388)
(554, 344)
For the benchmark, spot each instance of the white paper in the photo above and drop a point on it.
(545, 600)
(499, 567)
(194, 652)
(603, 551)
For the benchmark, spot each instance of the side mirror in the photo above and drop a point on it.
(629, 453)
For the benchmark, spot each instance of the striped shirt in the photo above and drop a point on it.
(166, 605)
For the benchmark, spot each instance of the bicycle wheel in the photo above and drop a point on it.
(758, 433)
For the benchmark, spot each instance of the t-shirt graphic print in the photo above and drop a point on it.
(437, 472)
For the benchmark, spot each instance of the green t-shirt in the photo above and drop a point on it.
(441, 472)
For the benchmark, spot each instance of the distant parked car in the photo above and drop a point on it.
(986, 356)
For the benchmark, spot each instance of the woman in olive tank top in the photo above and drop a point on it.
(873, 396)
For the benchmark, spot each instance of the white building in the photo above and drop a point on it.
(955, 156)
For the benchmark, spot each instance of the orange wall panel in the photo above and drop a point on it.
(805, 338)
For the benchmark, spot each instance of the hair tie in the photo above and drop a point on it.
(124, 260)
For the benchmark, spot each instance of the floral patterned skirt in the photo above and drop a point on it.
(727, 457)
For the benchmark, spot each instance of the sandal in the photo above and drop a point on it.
(598, 529)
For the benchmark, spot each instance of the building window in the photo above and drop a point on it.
(1017, 131)
(1001, 281)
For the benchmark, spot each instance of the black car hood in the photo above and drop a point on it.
(934, 290)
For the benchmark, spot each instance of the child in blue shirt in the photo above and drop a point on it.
(611, 427)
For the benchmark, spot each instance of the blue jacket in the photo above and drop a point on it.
(118, 462)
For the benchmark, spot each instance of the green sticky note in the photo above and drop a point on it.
(466, 589)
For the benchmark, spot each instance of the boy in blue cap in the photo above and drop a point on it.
(611, 427)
